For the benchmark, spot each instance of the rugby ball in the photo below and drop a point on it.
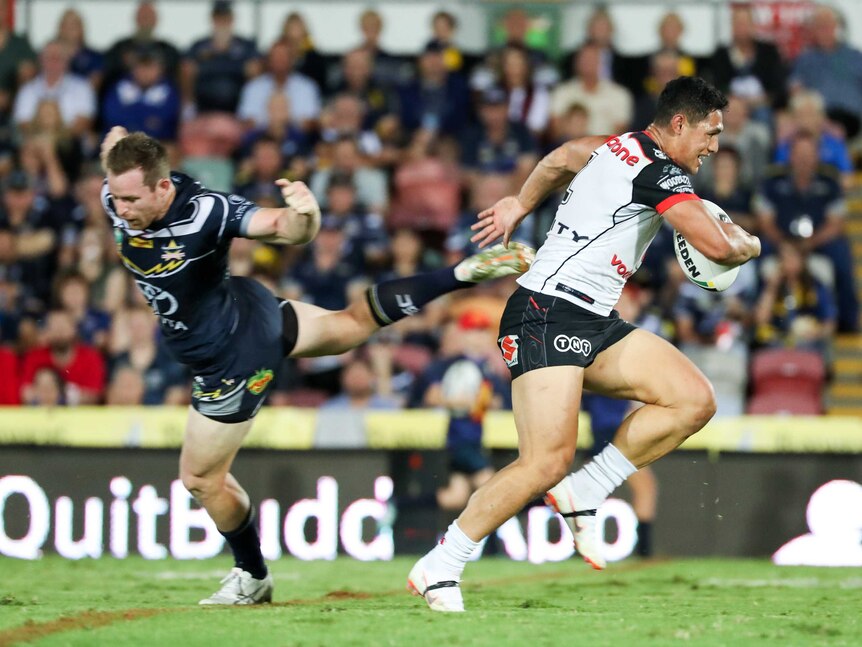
(701, 271)
(461, 382)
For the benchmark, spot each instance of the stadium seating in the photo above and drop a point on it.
(788, 380)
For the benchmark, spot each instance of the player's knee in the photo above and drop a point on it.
(701, 406)
(200, 487)
(549, 469)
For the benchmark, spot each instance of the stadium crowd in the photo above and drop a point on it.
(402, 152)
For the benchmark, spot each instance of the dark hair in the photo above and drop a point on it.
(139, 150)
(690, 96)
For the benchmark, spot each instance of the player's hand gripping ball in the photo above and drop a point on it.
(701, 271)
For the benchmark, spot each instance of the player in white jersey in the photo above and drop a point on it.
(560, 334)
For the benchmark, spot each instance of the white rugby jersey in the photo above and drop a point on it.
(609, 216)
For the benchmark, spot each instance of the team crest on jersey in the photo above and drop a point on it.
(173, 252)
(257, 382)
(141, 243)
(509, 348)
(659, 154)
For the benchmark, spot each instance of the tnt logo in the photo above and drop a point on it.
(509, 348)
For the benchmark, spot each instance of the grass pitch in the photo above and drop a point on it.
(699, 602)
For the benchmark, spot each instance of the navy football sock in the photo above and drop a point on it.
(245, 545)
(393, 300)
(644, 545)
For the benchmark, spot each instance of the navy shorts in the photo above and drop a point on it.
(233, 388)
(538, 330)
(467, 459)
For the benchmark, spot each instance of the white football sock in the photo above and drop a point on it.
(595, 481)
(451, 555)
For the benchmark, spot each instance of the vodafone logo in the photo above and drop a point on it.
(564, 344)
(509, 348)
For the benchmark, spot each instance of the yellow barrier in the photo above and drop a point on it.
(288, 428)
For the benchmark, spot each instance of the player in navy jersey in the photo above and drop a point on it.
(560, 333)
(173, 236)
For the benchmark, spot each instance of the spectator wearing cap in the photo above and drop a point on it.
(121, 55)
(146, 100)
(34, 224)
(366, 240)
(84, 60)
(74, 95)
(215, 68)
(81, 366)
(437, 101)
(496, 144)
(280, 77)
(611, 106)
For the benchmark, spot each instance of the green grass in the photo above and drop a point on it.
(697, 602)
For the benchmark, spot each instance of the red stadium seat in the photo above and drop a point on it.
(788, 371)
(777, 402)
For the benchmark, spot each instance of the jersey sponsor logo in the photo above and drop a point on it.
(622, 269)
(573, 344)
(405, 303)
(659, 154)
(158, 270)
(509, 348)
(682, 243)
(621, 152)
(163, 304)
(257, 383)
(676, 183)
(142, 243)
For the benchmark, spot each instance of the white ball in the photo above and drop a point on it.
(462, 380)
(701, 271)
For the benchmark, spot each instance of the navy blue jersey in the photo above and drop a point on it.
(180, 264)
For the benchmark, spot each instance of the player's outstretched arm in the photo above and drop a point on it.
(721, 242)
(553, 171)
(296, 224)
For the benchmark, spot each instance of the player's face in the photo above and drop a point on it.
(698, 141)
(134, 201)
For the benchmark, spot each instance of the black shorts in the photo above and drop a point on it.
(538, 330)
(233, 388)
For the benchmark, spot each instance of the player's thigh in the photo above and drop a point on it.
(546, 403)
(209, 446)
(646, 368)
(329, 332)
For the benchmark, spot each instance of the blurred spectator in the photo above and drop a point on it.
(56, 142)
(663, 68)
(280, 77)
(309, 61)
(38, 156)
(808, 114)
(437, 101)
(73, 295)
(47, 390)
(370, 183)
(324, 275)
(120, 56)
(627, 71)
(85, 61)
(356, 77)
(529, 101)
(749, 67)
(17, 62)
(794, 309)
(290, 139)
(610, 105)
(146, 101)
(516, 28)
(81, 367)
(806, 204)
(10, 385)
(216, 67)
(126, 388)
(498, 145)
(443, 27)
(260, 171)
(670, 31)
(426, 192)
(360, 389)
(727, 191)
(832, 68)
(366, 241)
(74, 95)
(750, 138)
(96, 263)
(34, 226)
(388, 70)
(344, 116)
(164, 380)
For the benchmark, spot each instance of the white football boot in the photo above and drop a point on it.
(440, 594)
(494, 262)
(582, 523)
(239, 587)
